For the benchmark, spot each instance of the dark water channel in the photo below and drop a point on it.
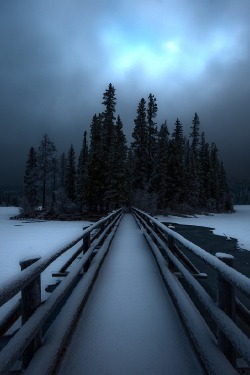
(204, 237)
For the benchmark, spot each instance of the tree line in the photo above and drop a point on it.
(158, 171)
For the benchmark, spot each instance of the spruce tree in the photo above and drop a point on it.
(81, 180)
(117, 158)
(62, 171)
(54, 182)
(70, 181)
(160, 178)
(108, 123)
(176, 164)
(140, 147)
(152, 133)
(95, 188)
(194, 164)
(30, 181)
(46, 154)
(225, 193)
(215, 175)
(129, 170)
(205, 173)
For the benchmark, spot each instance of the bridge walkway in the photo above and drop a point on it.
(129, 324)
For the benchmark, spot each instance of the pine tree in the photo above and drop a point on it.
(46, 154)
(62, 171)
(194, 164)
(160, 178)
(225, 196)
(108, 123)
(30, 181)
(95, 188)
(152, 133)
(176, 164)
(117, 158)
(215, 174)
(140, 147)
(54, 182)
(82, 172)
(70, 181)
(205, 173)
(129, 169)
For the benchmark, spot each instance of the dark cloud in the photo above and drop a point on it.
(57, 58)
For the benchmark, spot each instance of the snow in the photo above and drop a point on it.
(60, 330)
(23, 239)
(231, 275)
(129, 323)
(224, 256)
(200, 334)
(233, 225)
(117, 286)
(15, 347)
(234, 334)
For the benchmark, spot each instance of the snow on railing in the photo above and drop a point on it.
(230, 337)
(234, 277)
(16, 283)
(27, 280)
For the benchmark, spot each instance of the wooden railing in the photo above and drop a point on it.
(94, 243)
(175, 269)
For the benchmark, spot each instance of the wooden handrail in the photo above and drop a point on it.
(40, 316)
(234, 277)
(16, 283)
(229, 333)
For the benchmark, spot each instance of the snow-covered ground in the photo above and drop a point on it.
(21, 239)
(235, 225)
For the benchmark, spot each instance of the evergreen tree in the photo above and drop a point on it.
(62, 171)
(176, 164)
(140, 147)
(30, 181)
(46, 154)
(225, 195)
(82, 172)
(54, 182)
(108, 123)
(160, 178)
(170, 172)
(70, 181)
(129, 169)
(194, 164)
(152, 133)
(117, 158)
(215, 174)
(96, 166)
(205, 173)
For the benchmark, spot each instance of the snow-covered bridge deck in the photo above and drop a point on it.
(129, 324)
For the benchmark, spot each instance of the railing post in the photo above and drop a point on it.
(30, 300)
(226, 302)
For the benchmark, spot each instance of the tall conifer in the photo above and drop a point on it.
(46, 154)
(30, 181)
(81, 180)
(70, 181)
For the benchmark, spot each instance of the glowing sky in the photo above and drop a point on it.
(57, 58)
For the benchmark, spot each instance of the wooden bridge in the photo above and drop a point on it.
(142, 311)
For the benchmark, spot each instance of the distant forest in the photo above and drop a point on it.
(159, 172)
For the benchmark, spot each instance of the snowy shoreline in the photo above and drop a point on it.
(21, 239)
(235, 225)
